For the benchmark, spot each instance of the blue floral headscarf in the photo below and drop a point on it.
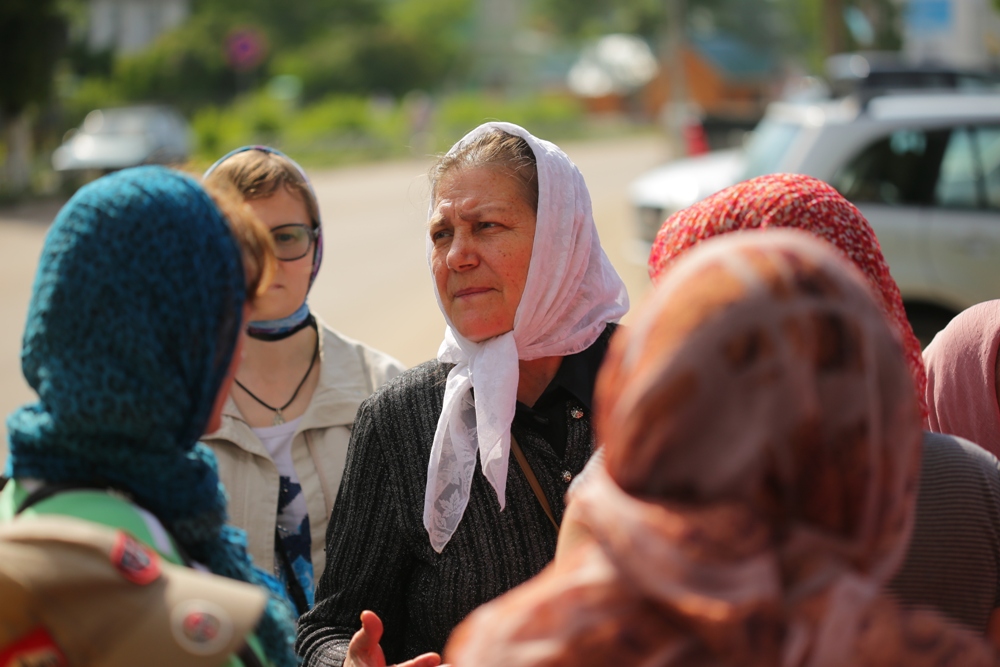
(132, 325)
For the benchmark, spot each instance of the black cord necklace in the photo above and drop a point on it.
(278, 417)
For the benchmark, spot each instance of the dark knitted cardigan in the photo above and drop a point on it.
(378, 553)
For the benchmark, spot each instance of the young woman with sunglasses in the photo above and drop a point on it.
(286, 425)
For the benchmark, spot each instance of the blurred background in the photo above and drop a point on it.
(337, 81)
(656, 100)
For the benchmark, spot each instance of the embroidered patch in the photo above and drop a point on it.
(134, 561)
(35, 649)
(201, 627)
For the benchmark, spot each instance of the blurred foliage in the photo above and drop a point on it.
(794, 30)
(81, 96)
(343, 128)
(380, 58)
(799, 29)
(368, 79)
(545, 115)
(32, 38)
(885, 17)
(362, 78)
(293, 23)
(361, 48)
(592, 18)
(186, 67)
(332, 46)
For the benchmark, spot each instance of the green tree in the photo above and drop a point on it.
(186, 67)
(578, 19)
(333, 46)
(294, 23)
(413, 44)
(32, 37)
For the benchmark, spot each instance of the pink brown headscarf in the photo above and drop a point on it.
(763, 445)
(961, 377)
(800, 202)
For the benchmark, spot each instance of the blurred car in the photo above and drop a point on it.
(122, 137)
(876, 73)
(923, 168)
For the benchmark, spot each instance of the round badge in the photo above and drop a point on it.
(134, 561)
(201, 627)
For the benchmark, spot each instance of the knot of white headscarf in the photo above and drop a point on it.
(570, 295)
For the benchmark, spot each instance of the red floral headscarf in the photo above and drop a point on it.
(801, 202)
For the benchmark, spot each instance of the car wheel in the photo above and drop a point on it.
(927, 320)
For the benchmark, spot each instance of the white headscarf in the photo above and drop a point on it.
(571, 293)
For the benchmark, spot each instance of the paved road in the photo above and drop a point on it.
(374, 284)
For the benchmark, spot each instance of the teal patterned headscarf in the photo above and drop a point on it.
(132, 325)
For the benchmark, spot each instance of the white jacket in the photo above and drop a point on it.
(349, 373)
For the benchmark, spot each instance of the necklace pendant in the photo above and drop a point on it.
(278, 418)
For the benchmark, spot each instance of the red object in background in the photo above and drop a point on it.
(246, 48)
(695, 140)
(35, 648)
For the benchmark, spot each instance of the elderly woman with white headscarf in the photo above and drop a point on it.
(421, 534)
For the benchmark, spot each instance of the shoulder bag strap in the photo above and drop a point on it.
(532, 480)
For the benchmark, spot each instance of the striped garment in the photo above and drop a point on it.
(379, 554)
(952, 563)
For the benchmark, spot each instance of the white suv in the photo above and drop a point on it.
(924, 169)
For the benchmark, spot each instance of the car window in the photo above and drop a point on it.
(958, 182)
(900, 169)
(768, 144)
(988, 144)
(970, 170)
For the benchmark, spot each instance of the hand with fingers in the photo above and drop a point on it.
(365, 651)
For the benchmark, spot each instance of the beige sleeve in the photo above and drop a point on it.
(379, 367)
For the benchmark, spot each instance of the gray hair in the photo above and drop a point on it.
(494, 149)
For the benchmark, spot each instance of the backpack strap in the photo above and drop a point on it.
(46, 491)
(50, 490)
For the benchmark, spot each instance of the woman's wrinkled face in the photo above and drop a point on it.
(483, 231)
(291, 280)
